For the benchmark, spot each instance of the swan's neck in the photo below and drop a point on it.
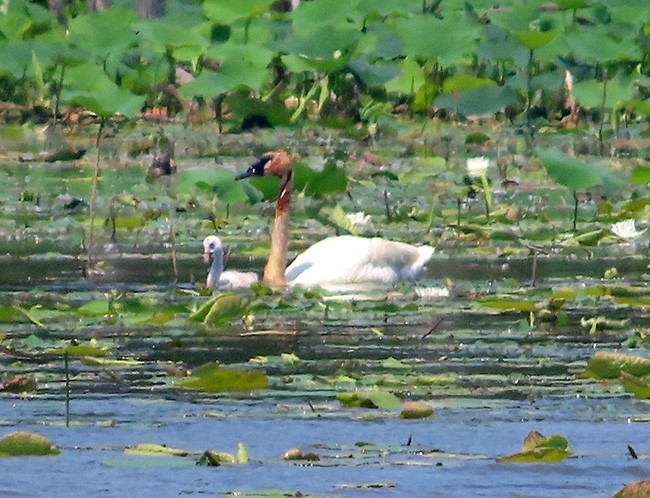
(216, 268)
(277, 263)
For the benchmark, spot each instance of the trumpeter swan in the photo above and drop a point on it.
(338, 260)
(217, 278)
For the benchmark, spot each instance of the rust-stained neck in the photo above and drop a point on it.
(277, 262)
(277, 163)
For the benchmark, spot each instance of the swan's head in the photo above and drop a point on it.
(211, 244)
(275, 162)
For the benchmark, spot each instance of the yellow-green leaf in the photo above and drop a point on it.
(416, 409)
(214, 378)
(606, 365)
(636, 386)
(26, 444)
(154, 449)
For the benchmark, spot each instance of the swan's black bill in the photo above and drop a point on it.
(256, 169)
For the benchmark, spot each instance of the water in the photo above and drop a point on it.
(492, 375)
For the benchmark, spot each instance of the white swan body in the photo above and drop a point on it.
(354, 260)
(217, 277)
(335, 260)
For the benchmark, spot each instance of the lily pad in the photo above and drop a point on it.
(370, 399)
(221, 308)
(536, 448)
(638, 489)
(26, 444)
(88, 349)
(214, 378)
(154, 449)
(508, 304)
(606, 365)
(416, 409)
(216, 458)
(636, 386)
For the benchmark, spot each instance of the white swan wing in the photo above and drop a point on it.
(349, 259)
(237, 280)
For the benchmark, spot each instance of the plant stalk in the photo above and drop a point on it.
(67, 388)
(487, 194)
(575, 210)
(93, 199)
(529, 97)
(172, 240)
(57, 95)
(602, 113)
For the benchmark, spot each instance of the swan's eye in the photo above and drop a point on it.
(211, 246)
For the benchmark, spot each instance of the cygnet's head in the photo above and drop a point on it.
(211, 244)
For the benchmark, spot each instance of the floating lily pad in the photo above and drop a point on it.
(154, 449)
(96, 308)
(416, 409)
(606, 365)
(88, 349)
(639, 489)
(536, 448)
(221, 308)
(19, 384)
(636, 386)
(508, 304)
(26, 444)
(214, 378)
(297, 454)
(370, 399)
(216, 458)
(393, 363)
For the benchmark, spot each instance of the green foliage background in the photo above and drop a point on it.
(359, 59)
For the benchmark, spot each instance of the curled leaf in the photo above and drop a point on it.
(416, 409)
(606, 365)
(26, 444)
(537, 448)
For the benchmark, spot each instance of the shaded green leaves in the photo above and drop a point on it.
(534, 40)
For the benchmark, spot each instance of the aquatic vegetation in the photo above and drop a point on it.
(537, 448)
(26, 444)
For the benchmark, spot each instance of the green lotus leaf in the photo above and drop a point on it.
(569, 171)
(229, 12)
(103, 32)
(534, 40)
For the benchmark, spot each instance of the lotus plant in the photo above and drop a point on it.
(626, 230)
(477, 167)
